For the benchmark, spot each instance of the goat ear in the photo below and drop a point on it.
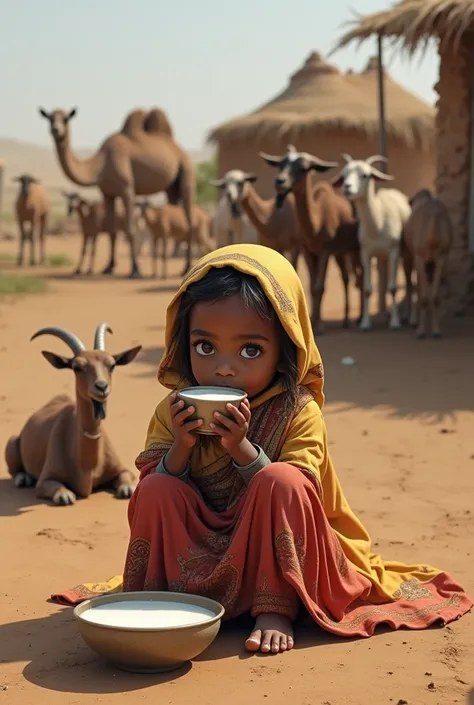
(323, 167)
(252, 178)
(127, 356)
(337, 181)
(57, 361)
(219, 183)
(71, 114)
(43, 113)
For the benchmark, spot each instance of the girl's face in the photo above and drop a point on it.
(232, 346)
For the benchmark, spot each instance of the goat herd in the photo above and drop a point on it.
(347, 218)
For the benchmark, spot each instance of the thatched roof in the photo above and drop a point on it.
(319, 96)
(411, 23)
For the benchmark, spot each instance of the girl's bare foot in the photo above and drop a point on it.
(272, 633)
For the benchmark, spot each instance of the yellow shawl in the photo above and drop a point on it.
(302, 441)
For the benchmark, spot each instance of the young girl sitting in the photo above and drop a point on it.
(255, 517)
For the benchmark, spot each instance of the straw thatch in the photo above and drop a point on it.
(411, 23)
(320, 97)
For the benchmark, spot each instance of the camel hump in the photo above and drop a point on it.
(156, 122)
(134, 122)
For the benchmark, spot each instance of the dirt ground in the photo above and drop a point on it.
(399, 421)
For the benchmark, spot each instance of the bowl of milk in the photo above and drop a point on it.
(149, 632)
(208, 400)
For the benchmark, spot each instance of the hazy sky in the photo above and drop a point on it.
(203, 61)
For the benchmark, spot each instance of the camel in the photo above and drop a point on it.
(62, 448)
(142, 159)
(167, 222)
(328, 226)
(427, 240)
(277, 228)
(32, 211)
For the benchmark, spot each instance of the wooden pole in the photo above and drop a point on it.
(381, 98)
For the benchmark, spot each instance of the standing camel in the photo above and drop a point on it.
(32, 211)
(277, 228)
(142, 159)
(328, 226)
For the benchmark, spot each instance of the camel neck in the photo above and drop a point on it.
(309, 215)
(257, 209)
(83, 172)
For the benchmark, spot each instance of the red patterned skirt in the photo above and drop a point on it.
(271, 553)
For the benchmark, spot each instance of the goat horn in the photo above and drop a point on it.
(346, 157)
(76, 345)
(377, 158)
(99, 337)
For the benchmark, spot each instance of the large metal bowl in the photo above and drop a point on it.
(149, 649)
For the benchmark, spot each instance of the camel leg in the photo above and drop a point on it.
(365, 322)
(109, 203)
(423, 296)
(21, 251)
(434, 298)
(129, 204)
(164, 257)
(392, 286)
(187, 196)
(92, 250)
(154, 256)
(42, 230)
(312, 266)
(341, 263)
(83, 253)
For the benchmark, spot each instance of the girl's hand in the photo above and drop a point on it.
(184, 431)
(233, 431)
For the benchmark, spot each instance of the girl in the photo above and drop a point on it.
(254, 517)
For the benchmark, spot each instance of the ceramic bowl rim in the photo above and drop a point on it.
(234, 390)
(148, 596)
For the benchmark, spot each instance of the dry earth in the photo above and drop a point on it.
(399, 420)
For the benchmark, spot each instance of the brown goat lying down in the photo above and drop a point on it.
(62, 448)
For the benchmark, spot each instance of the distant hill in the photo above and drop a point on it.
(20, 157)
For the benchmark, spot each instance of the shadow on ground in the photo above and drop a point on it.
(393, 370)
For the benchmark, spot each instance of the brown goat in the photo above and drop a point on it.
(93, 219)
(276, 228)
(32, 210)
(62, 447)
(168, 222)
(328, 225)
(427, 240)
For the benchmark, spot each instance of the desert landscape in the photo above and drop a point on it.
(400, 423)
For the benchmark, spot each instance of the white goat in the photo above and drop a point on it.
(382, 216)
(230, 225)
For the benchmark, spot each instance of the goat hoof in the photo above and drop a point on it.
(437, 335)
(64, 498)
(421, 335)
(124, 491)
(24, 479)
(135, 274)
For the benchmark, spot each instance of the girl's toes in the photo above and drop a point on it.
(290, 642)
(266, 642)
(254, 641)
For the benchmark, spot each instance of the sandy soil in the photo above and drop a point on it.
(399, 422)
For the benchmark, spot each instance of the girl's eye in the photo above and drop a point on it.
(204, 348)
(250, 352)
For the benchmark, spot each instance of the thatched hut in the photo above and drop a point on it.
(410, 24)
(326, 112)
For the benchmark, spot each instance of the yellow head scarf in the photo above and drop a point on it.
(284, 290)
